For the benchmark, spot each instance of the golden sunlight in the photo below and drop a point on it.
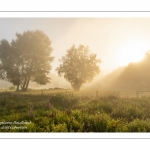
(132, 51)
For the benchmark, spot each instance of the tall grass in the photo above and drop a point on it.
(68, 112)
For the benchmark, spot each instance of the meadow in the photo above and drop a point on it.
(71, 111)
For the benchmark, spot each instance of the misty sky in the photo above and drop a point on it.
(115, 41)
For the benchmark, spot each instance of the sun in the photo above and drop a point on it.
(132, 51)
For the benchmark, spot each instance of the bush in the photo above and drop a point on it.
(59, 128)
(139, 126)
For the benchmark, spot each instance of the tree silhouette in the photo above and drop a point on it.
(78, 66)
(26, 58)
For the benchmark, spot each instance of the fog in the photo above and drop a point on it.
(134, 76)
(55, 82)
(120, 43)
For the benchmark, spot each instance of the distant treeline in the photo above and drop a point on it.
(134, 76)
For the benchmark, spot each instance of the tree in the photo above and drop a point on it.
(26, 58)
(78, 66)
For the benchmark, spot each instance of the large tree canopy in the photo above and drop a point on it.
(78, 66)
(26, 58)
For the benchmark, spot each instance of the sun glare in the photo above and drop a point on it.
(132, 52)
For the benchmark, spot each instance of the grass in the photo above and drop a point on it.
(70, 111)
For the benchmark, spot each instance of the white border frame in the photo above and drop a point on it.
(75, 14)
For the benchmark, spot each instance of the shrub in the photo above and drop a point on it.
(59, 128)
(139, 126)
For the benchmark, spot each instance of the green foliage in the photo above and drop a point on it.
(59, 128)
(139, 126)
(63, 101)
(61, 112)
(78, 66)
(26, 58)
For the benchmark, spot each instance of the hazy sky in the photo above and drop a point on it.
(115, 41)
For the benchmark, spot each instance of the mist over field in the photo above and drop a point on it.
(56, 82)
(120, 43)
(134, 76)
(74, 75)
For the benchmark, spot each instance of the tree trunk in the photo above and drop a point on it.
(17, 88)
(76, 87)
(23, 87)
(27, 83)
